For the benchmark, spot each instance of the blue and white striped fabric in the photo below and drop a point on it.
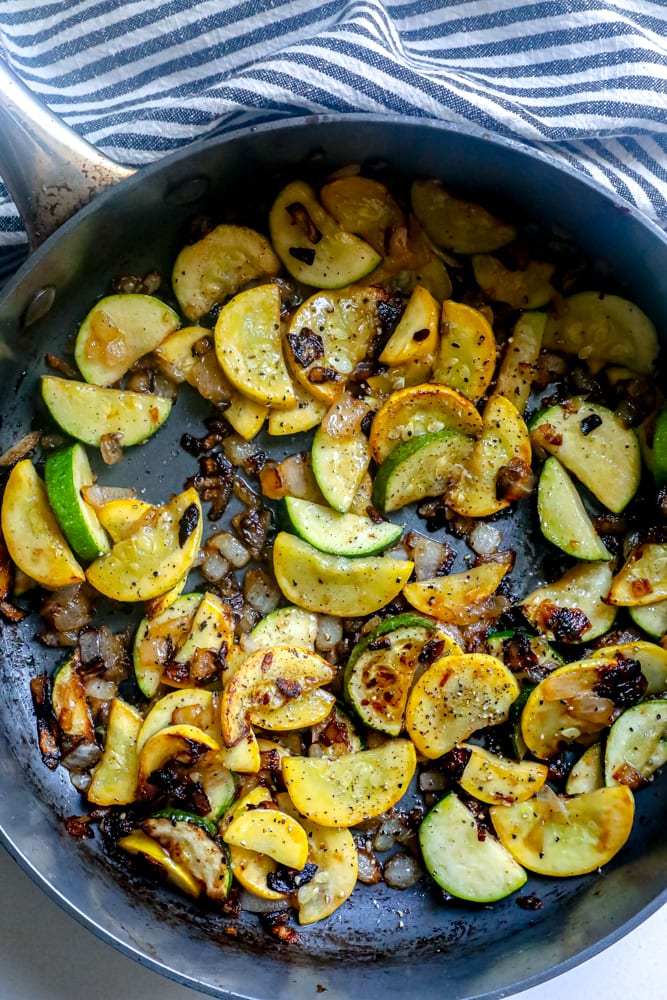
(586, 79)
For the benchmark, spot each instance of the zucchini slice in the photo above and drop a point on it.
(119, 330)
(339, 534)
(463, 863)
(563, 518)
(419, 410)
(554, 835)
(637, 744)
(603, 329)
(311, 244)
(66, 472)
(455, 697)
(573, 608)
(529, 657)
(381, 668)
(595, 446)
(651, 618)
(586, 774)
(91, 412)
(422, 467)
(339, 466)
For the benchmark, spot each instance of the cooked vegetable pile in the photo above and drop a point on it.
(407, 615)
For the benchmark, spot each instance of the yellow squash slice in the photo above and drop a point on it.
(138, 842)
(643, 577)
(455, 223)
(352, 788)
(417, 335)
(566, 708)
(270, 832)
(421, 409)
(249, 347)
(562, 836)
(445, 596)
(115, 778)
(183, 743)
(217, 266)
(499, 780)
(336, 585)
(156, 555)
(503, 444)
(269, 678)
(467, 357)
(32, 535)
(455, 697)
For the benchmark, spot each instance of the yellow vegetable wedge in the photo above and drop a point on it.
(499, 780)
(515, 375)
(157, 553)
(335, 854)
(352, 788)
(191, 706)
(182, 742)
(32, 535)
(249, 347)
(307, 710)
(456, 224)
(269, 679)
(562, 836)
(115, 778)
(643, 577)
(467, 357)
(336, 585)
(139, 842)
(217, 266)
(416, 336)
(445, 596)
(455, 697)
(504, 442)
(566, 708)
(270, 832)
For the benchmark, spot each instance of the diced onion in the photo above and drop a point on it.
(402, 871)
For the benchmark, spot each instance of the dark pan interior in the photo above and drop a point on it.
(384, 943)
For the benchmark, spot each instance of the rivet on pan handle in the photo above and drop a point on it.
(49, 170)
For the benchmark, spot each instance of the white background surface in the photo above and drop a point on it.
(46, 955)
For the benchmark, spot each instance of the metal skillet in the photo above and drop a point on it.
(383, 944)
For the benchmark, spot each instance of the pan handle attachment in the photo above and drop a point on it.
(49, 170)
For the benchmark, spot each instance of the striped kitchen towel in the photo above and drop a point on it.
(585, 79)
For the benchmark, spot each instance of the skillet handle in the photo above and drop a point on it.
(49, 170)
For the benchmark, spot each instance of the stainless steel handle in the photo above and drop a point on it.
(49, 170)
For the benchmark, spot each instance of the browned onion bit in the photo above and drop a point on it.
(20, 449)
(79, 827)
(402, 871)
(187, 524)
(306, 346)
(288, 880)
(515, 481)
(623, 682)
(128, 284)
(62, 367)
(370, 869)
(69, 609)
(567, 624)
(111, 448)
(47, 726)
(277, 925)
(252, 526)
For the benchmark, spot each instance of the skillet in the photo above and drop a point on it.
(384, 944)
